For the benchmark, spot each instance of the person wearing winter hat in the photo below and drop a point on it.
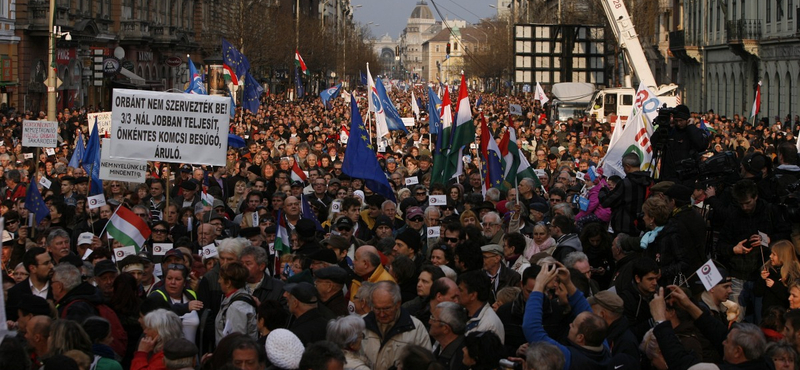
(284, 350)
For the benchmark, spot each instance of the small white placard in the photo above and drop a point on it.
(87, 253)
(160, 249)
(336, 207)
(27, 155)
(123, 252)
(50, 151)
(210, 251)
(709, 275)
(45, 182)
(157, 269)
(433, 232)
(413, 180)
(437, 200)
(539, 172)
(764, 239)
(254, 218)
(96, 201)
(408, 121)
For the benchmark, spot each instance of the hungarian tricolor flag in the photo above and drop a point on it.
(282, 236)
(297, 173)
(128, 228)
(757, 102)
(298, 61)
(229, 75)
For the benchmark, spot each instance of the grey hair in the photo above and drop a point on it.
(750, 338)
(233, 245)
(493, 194)
(403, 191)
(345, 331)
(549, 260)
(87, 269)
(566, 208)
(365, 292)
(781, 348)
(259, 254)
(386, 203)
(56, 233)
(649, 345)
(544, 356)
(181, 363)
(166, 323)
(528, 181)
(571, 259)
(69, 275)
(430, 209)
(496, 216)
(373, 258)
(631, 159)
(454, 315)
(389, 287)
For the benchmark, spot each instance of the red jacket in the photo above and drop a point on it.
(141, 362)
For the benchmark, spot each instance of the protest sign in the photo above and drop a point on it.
(44, 182)
(160, 249)
(40, 134)
(167, 127)
(120, 169)
(103, 122)
(210, 251)
(96, 201)
(122, 252)
(709, 275)
(413, 180)
(408, 121)
(437, 200)
(433, 232)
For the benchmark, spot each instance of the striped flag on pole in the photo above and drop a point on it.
(128, 228)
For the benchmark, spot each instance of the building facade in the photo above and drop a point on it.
(421, 27)
(726, 47)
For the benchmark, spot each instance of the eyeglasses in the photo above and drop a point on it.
(142, 214)
(489, 224)
(450, 240)
(176, 266)
(344, 228)
(421, 194)
(440, 322)
(265, 220)
(384, 309)
(160, 231)
(9, 222)
(114, 185)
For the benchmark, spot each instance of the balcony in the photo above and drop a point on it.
(686, 47)
(37, 15)
(164, 36)
(134, 32)
(743, 37)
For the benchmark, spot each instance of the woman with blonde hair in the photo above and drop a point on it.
(778, 272)
(239, 193)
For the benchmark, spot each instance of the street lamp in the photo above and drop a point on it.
(55, 32)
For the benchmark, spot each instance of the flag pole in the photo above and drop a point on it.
(167, 195)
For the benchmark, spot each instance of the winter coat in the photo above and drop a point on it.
(236, 315)
(626, 201)
(383, 351)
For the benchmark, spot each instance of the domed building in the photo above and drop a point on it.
(421, 27)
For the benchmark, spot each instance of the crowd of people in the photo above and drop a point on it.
(573, 270)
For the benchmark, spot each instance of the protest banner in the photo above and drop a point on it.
(168, 127)
(120, 169)
(103, 122)
(40, 134)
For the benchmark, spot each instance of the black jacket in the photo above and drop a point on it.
(669, 251)
(693, 234)
(310, 327)
(636, 310)
(452, 356)
(680, 144)
(621, 339)
(85, 297)
(270, 289)
(15, 295)
(626, 201)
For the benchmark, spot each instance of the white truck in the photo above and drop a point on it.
(615, 104)
(570, 100)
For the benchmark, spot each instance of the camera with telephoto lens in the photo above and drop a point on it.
(664, 116)
(790, 206)
(711, 169)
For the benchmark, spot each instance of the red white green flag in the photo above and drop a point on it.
(299, 62)
(128, 228)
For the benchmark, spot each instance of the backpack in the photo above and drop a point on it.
(240, 298)
(120, 343)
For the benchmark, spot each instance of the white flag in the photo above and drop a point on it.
(709, 275)
(414, 106)
(381, 128)
(635, 136)
(540, 95)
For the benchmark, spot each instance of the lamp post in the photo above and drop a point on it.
(54, 33)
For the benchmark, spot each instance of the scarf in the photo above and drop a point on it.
(649, 236)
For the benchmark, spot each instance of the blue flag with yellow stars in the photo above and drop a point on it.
(434, 107)
(252, 94)
(234, 59)
(91, 162)
(35, 203)
(360, 160)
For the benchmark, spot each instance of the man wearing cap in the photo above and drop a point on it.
(627, 197)
(712, 300)
(179, 354)
(307, 321)
(408, 244)
(621, 340)
(105, 272)
(322, 258)
(84, 244)
(346, 227)
(330, 282)
(39, 265)
(81, 186)
(340, 246)
(306, 237)
(500, 275)
(189, 194)
(383, 228)
(683, 141)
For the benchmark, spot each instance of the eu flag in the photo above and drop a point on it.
(434, 118)
(363, 77)
(91, 161)
(252, 94)
(309, 213)
(234, 59)
(298, 83)
(35, 203)
(77, 155)
(360, 160)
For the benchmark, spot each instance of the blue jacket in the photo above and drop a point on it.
(575, 357)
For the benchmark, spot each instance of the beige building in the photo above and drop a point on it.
(437, 66)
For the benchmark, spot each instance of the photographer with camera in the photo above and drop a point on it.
(676, 140)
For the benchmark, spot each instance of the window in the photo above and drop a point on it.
(733, 12)
(743, 8)
(437, 48)
(769, 11)
(789, 9)
(779, 15)
(719, 11)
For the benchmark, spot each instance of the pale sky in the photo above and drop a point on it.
(391, 16)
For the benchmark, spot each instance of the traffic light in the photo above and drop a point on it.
(448, 48)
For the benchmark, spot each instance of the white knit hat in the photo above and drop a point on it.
(284, 349)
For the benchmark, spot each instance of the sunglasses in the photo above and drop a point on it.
(344, 228)
(176, 266)
(415, 219)
(160, 231)
(450, 240)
